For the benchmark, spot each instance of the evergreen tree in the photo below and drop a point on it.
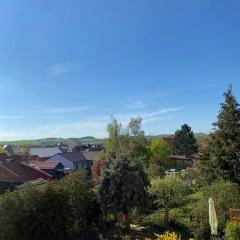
(123, 186)
(184, 142)
(224, 142)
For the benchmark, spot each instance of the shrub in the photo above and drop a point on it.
(198, 224)
(168, 193)
(126, 237)
(232, 231)
(60, 211)
(84, 209)
(33, 214)
(225, 195)
(167, 236)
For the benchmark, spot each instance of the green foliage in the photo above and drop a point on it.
(117, 140)
(224, 142)
(130, 141)
(123, 186)
(199, 223)
(205, 168)
(84, 208)
(169, 192)
(138, 143)
(232, 231)
(160, 151)
(225, 195)
(22, 212)
(184, 141)
(126, 237)
(153, 170)
(61, 210)
(2, 150)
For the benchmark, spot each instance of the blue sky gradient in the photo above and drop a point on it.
(67, 66)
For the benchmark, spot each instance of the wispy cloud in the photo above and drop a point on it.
(94, 126)
(58, 69)
(97, 126)
(162, 111)
(136, 105)
(147, 116)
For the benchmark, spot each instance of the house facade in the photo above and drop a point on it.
(72, 161)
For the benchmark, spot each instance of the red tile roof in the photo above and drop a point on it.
(13, 170)
(44, 165)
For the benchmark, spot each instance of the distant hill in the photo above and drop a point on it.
(54, 141)
(201, 137)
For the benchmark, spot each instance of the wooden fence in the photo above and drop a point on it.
(234, 215)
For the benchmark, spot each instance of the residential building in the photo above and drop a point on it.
(16, 171)
(55, 169)
(74, 160)
(43, 153)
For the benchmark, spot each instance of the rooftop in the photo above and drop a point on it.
(44, 152)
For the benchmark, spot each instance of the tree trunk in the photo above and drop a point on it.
(127, 221)
(166, 217)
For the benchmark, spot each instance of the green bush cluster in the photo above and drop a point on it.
(61, 211)
(225, 195)
(232, 231)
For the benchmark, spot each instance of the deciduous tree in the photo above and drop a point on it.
(168, 193)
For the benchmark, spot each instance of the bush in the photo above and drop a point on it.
(225, 195)
(33, 214)
(232, 231)
(60, 211)
(169, 192)
(84, 208)
(167, 236)
(198, 224)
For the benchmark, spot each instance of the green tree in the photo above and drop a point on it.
(224, 143)
(82, 201)
(23, 211)
(184, 141)
(138, 142)
(123, 186)
(169, 192)
(160, 151)
(129, 141)
(118, 139)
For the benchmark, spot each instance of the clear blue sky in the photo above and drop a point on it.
(66, 66)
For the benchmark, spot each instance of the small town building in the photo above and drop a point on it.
(43, 153)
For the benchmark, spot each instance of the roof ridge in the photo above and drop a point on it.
(9, 170)
(26, 165)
